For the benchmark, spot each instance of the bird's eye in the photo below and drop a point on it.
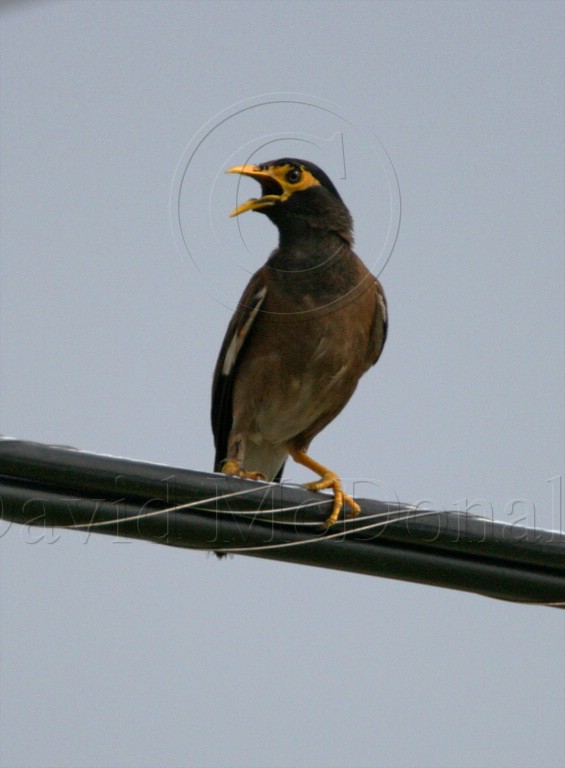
(293, 175)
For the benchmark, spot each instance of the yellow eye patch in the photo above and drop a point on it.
(280, 172)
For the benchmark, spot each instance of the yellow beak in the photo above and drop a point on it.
(254, 203)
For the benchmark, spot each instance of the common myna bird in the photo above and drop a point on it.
(311, 321)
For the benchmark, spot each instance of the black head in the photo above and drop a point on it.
(296, 194)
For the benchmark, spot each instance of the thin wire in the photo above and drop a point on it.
(154, 513)
(356, 529)
(255, 513)
(269, 512)
(302, 505)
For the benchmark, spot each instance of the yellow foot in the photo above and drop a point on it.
(330, 480)
(233, 468)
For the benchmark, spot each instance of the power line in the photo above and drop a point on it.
(53, 486)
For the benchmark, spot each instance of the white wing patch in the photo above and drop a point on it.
(382, 304)
(240, 333)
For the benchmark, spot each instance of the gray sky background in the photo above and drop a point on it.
(122, 654)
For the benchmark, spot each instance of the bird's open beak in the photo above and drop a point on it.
(268, 183)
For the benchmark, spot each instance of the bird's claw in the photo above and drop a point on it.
(233, 469)
(331, 480)
(252, 475)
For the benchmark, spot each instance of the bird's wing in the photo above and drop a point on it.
(237, 336)
(379, 325)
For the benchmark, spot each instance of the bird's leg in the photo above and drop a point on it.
(329, 479)
(233, 468)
